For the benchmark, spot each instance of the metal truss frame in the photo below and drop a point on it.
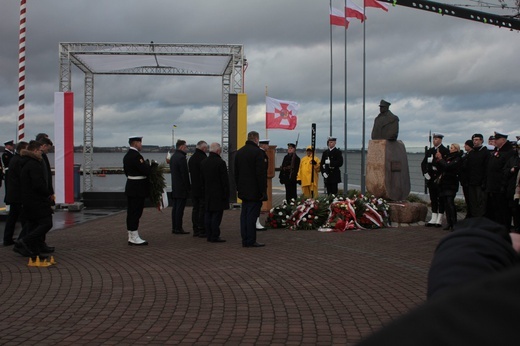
(232, 73)
(508, 22)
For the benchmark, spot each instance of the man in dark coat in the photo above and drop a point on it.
(498, 209)
(475, 167)
(432, 171)
(36, 200)
(215, 183)
(13, 196)
(251, 181)
(6, 159)
(386, 124)
(180, 185)
(331, 162)
(289, 172)
(137, 188)
(197, 194)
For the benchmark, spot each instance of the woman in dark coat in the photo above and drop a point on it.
(449, 182)
(215, 183)
(37, 201)
(510, 174)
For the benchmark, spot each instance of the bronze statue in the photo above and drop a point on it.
(386, 124)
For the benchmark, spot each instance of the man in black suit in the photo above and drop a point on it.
(137, 188)
(181, 185)
(215, 186)
(6, 158)
(197, 194)
(251, 181)
(331, 161)
(432, 171)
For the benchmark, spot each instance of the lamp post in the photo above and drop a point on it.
(173, 135)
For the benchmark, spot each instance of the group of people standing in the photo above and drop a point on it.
(203, 177)
(488, 175)
(29, 195)
(304, 172)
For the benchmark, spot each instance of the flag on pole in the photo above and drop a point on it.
(354, 11)
(280, 114)
(337, 17)
(377, 4)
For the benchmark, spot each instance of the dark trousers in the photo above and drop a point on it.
(248, 215)
(477, 199)
(15, 212)
(451, 210)
(178, 205)
(212, 223)
(37, 229)
(134, 211)
(197, 215)
(290, 191)
(436, 200)
(332, 188)
(498, 208)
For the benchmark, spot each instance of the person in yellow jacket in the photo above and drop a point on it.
(304, 174)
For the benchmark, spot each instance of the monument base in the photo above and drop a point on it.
(387, 174)
(407, 212)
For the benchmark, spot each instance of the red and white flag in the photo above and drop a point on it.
(354, 11)
(377, 4)
(337, 17)
(280, 114)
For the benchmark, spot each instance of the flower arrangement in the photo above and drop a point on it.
(278, 216)
(309, 214)
(157, 184)
(331, 213)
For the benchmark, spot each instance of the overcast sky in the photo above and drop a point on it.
(440, 73)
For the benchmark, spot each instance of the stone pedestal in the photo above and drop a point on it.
(387, 170)
(407, 212)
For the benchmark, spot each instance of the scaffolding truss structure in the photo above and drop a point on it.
(214, 60)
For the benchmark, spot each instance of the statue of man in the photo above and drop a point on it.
(386, 124)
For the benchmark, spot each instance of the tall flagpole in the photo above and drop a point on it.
(364, 88)
(345, 173)
(330, 120)
(21, 72)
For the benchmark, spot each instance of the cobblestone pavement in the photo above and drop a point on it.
(303, 288)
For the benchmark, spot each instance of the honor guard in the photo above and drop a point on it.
(331, 162)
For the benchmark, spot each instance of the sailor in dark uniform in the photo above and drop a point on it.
(289, 172)
(331, 162)
(6, 158)
(137, 188)
(432, 171)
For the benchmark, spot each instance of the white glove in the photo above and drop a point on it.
(168, 156)
(327, 161)
(325, 175)
(427, 176)
(429, 159)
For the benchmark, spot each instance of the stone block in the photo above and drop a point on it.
(407, 212)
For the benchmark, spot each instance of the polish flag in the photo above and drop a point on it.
(280, 114)
(354, 11)
(377, 4)
(337, 17)
(64, 147)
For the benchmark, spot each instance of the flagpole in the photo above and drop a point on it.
(330, 120)
(266, 121)
(345, 173)
(364, 93)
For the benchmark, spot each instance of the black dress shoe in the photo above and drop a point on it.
(202, 235)
(448, 228)
(430, 225)
(438, 225)
(46, 249)
(180, 232)
(218, 240)
(254, 245)
(23, 250)
(8, 242)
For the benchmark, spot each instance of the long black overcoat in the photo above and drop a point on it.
(250, 173)
(180, 176)
(215, 183)
(36, 196)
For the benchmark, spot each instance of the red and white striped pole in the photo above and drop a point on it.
(21, 72)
